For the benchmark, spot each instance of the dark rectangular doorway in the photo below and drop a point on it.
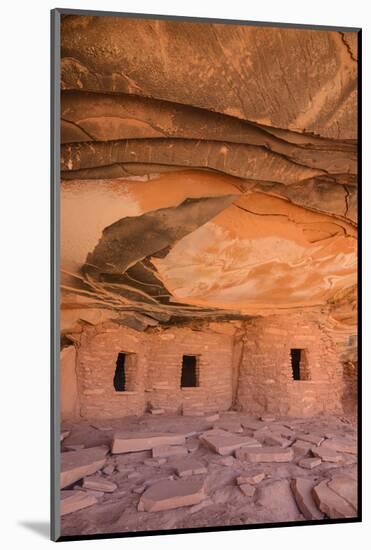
(119, 380)
(295, 363)
(189, 372)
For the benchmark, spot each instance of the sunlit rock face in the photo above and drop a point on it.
(284, 78)
(223, 186)
(89, 206)
(260, 254)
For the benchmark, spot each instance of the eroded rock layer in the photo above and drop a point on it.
(208, 172)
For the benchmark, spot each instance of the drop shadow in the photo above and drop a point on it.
(41, 528)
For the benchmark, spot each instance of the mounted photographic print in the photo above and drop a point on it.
(205, 329)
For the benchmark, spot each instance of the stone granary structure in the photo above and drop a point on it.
(208, 218)
(208, 274)
(229, 367)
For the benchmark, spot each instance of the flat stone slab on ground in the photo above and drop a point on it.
(154, 461)
(134, 475)
(352, 472)
(188, 466)
(157, 479)
(64, 435)
(204, 504)
(212, 417)
(252, 479)
(139, 490)
(312, 438)
(96, 483)
(340, 445)
(282, 430)
(302, 491)
(97, 494)
(267, 418)
(254, 425)
(224, 461)
(193, 412)
(124, 469)
(102, 428)
(78, 464)
(164, 451)
(129, 442)
(192, 445)
(349, 459)
(229, 425)
(346, 488)
(72, 501)
(225, 494)
(247, 489)
(265, 454)
(131, 460)
(74, 447)
(294, 422)
(325, 454)
(276, 440)
(167, 495)
(108, 470)
(309, 463)
(301, 447)
(278, 502)
(157, 411)
(260, 435)
(224, 443)
(330, 503)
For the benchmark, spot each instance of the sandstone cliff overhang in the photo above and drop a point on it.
(209, 172)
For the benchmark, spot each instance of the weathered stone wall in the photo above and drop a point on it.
(158, 363)
(69, 397)
(250, 361)
(349, 398)
(97, 356)
(266, 381)
(214, 359)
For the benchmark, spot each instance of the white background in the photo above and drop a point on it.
(25, 263)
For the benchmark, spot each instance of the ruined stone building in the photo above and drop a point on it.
(208, 219)
(227, 365)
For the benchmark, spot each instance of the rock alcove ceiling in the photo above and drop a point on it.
(208, 172)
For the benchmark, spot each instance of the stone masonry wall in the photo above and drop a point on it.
(214, 362)
(158, 361)
(250, 358)
(349, 399)
(96, 359)
(69, 397)
(266, 381)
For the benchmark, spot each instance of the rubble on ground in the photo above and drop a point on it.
(286, 469)
(78, 464)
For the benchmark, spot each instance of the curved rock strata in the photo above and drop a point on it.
(301, 80)
(223, 187)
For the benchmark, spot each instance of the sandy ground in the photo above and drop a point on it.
(225, 504)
